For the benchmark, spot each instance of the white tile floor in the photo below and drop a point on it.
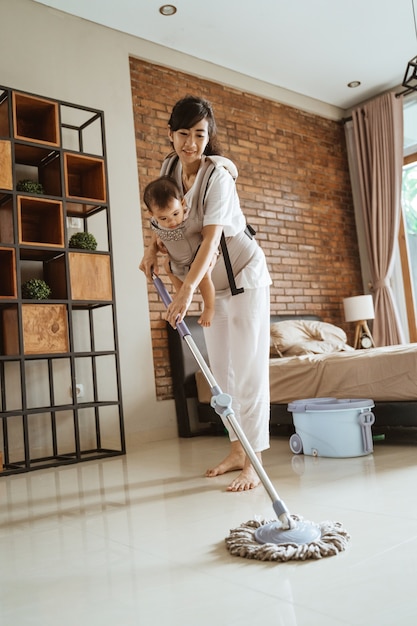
(139, 540)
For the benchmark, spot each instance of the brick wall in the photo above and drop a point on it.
(293, 185)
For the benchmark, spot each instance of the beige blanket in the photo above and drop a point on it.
(384, 374)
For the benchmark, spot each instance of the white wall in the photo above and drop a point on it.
(50, 53)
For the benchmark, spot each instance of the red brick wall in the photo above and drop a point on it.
(293, 185)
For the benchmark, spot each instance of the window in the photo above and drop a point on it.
(408, 223)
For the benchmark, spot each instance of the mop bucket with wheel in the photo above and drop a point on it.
(289, 537)
(332, 428)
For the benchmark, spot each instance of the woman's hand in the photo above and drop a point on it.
(180, 304)
(149, 263)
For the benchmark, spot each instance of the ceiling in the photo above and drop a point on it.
(314, 48)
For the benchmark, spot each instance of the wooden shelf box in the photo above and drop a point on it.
(90, 276)
(40, 221)
(35, 119)
(10, 331)
(6, 219)
(44, 326)
(54, 272)
(8, 287)
(4, 114)
(83, 209)
(6, 176)
(84, 177)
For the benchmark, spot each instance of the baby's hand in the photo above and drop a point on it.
(161, 247)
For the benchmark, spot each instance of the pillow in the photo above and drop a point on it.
(316, 347)
(274, 353)
(297, 337)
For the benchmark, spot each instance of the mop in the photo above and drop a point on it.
(289, 537)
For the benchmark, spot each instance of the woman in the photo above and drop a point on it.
(238, 338)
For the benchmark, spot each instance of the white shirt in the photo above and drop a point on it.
(221, 205)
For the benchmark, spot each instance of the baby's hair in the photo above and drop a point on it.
(160, 191)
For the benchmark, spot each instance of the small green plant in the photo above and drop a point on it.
(36, 289)
(30, 186)
(83, 241)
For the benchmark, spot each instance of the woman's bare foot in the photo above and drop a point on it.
(235, 460)
(247, 479)
(206, 317)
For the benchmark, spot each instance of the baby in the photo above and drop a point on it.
(169, 215)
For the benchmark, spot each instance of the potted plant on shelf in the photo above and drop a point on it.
(30, 186)
(83, 241)
(36, 289)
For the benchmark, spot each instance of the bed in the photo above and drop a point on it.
(309, 359)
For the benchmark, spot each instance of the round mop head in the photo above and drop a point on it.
(268, 541)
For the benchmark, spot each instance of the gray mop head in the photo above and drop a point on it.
(332, 540)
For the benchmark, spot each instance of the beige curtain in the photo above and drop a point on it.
(378, 140)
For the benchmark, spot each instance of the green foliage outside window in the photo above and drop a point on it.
(409, 198)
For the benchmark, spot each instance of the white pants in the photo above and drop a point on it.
(238, 344)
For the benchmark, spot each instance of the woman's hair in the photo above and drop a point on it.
(189, 111)
(160, 191)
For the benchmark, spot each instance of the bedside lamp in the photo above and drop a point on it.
(359, 309)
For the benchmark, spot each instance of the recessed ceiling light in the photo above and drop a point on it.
(167, 9)
(354, 83)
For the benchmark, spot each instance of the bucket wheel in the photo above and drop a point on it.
(296, 444)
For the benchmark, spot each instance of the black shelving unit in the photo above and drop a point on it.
(60, 389)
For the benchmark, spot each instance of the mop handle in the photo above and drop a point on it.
(166, 299)
(222, 404)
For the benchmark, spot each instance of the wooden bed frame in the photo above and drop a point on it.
(196, 418)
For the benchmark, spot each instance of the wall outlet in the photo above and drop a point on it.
(74, 222)
(79, 390)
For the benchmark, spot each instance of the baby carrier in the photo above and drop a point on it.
(215, 161)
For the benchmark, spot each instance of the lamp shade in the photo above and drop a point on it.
(359, 308)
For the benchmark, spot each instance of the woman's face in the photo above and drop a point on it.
(190, 143)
